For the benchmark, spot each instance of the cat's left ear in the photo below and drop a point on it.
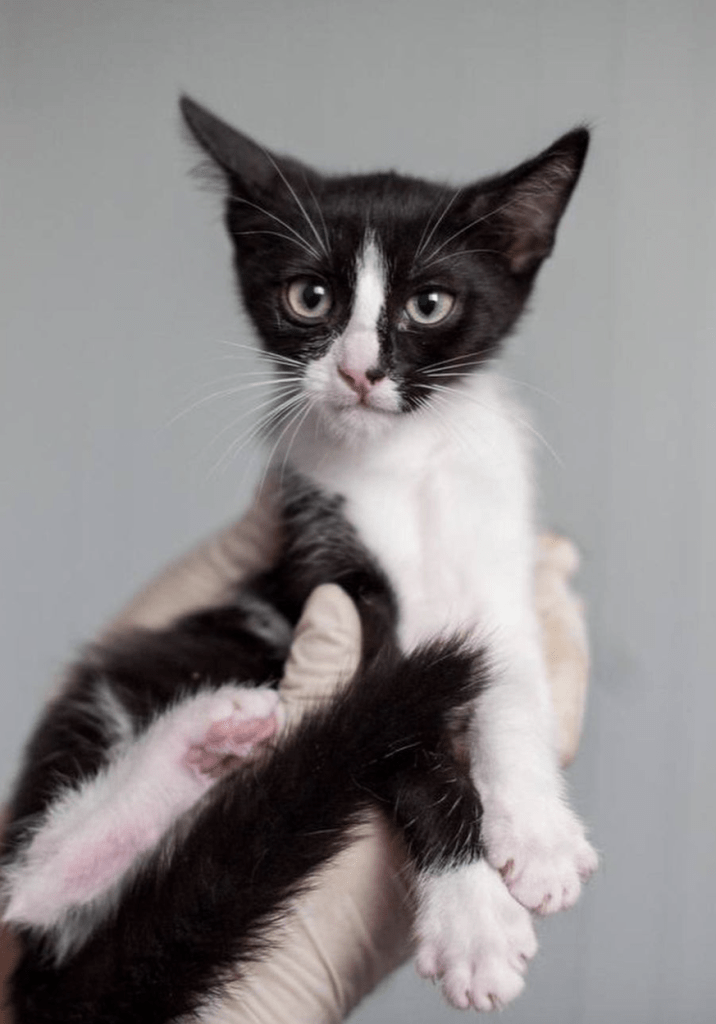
(251, 170)
(526, 204)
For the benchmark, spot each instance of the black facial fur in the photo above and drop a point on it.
(482, 243)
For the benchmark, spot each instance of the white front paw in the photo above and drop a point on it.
(473, 937)
(540, 848)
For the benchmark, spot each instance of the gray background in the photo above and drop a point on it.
(116, 299)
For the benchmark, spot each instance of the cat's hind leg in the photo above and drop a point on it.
(95, 831)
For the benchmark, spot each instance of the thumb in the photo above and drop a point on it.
(325, 651)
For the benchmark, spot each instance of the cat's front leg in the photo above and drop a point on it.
(531, 835)
(473, 936)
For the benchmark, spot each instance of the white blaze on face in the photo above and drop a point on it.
(351, 404)
(358, 349)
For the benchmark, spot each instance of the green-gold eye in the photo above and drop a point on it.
(308, 298)
(429, 307)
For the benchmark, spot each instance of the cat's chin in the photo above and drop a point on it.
(356, 424)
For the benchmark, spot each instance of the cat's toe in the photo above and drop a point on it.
(235, 725)
(473, 937)
(542, 853)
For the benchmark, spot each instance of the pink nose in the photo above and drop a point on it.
(359, 381)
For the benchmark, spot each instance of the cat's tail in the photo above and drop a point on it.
(205, 901)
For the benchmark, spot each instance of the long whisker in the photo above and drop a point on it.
(226, 392)
(272, 418)
(454, 371)
(437, 397)
(508, 415)
(280, 437)
(423, 243)
(266, 381)
(298, 202)
(269, 356)
(530, 387)
(472, 224)
(452, 374)
(320, 212)
(459, 252)
(272, 216)
(279, 234)
(445, 423)
(466, 359)
(300, 423)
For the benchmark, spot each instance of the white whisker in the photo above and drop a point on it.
(298, 202)
(267, 380)
(423, 243)
(320, 213)
(237, 389)
(279, 234)
(310, 405)
(525, 424)
(269, 356)
(268, 421)
(460, 252)
(472, 224)
(272, 216)
(270, 403)
(466, 359)
(292, 419)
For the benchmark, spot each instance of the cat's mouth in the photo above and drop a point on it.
(364, 405)
(356, 421)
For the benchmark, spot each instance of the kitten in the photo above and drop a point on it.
(382, 300)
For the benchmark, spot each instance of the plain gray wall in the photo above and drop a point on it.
(116, 298)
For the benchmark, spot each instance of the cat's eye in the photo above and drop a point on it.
(308, 298)
(429, 307)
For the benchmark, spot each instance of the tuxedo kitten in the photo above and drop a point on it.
(138, 880)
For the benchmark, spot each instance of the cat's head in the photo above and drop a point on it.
(383, 289)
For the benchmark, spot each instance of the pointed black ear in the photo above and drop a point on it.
(531, 199)
(241, 159)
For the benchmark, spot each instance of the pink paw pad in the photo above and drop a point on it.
(231, 740)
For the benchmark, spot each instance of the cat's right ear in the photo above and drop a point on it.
(247, 166)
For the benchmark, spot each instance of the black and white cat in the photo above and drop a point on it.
(382, 300)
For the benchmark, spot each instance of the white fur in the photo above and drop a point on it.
(443, 497)
(473, 937)
(358, 347)
(96, 832)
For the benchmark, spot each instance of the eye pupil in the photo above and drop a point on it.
(313, 295)
(427, 302)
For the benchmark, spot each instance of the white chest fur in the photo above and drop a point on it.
(443, 500)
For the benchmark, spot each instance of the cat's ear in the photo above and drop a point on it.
(249, 167)
(528, 202)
